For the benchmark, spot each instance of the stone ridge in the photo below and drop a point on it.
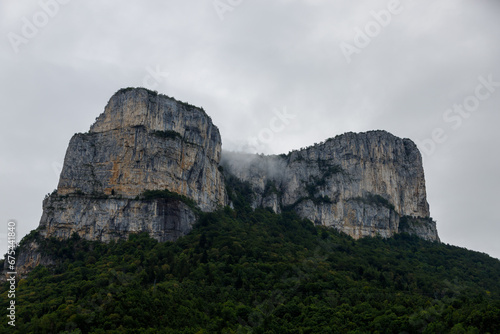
(136, 107)
(114, 176)
(146, 141)
(386, 154)
(361, 184)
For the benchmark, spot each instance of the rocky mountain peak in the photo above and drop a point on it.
(139, 107)
(362, 184)
(152, 164)
(146, 149)
(146, 141)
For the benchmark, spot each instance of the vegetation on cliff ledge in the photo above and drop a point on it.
(169, 134)
(155, 93)
(377, 200)
(150, 195)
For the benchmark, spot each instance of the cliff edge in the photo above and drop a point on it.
(146, 165)
(152, 164)
(362, 184)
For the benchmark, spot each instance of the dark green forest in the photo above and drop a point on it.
(246, 271)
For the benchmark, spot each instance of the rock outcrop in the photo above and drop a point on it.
(151, 163)
(142, 142)
(105, 219)
(361, 184)
(146, 141)
(120, 177)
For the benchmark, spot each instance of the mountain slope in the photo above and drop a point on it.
(242, 271)
(363, 184)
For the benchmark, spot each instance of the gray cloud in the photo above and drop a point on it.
(263, 56)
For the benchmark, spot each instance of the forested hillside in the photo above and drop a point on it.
(244, 271)
(260, 272)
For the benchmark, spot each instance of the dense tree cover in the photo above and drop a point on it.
(243, 271)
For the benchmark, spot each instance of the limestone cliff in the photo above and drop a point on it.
(146, 141)
(105, 219)
(150, 163)
(361, 184)
(142, 142)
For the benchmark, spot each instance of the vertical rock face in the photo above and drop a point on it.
(145, 141)
(361, 184)
(142, 142)
(149, 163)
(106, 219)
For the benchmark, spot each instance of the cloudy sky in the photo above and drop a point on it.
(425, 70)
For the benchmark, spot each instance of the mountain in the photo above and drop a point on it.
(153, 229)
(151, 164)
(146, 141)
(363, 184)
(142, 142)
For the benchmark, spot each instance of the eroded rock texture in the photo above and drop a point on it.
(364, 184)
(142, 142)
(146, 141)
(361, 184)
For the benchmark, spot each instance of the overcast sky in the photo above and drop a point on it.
(424, 70)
